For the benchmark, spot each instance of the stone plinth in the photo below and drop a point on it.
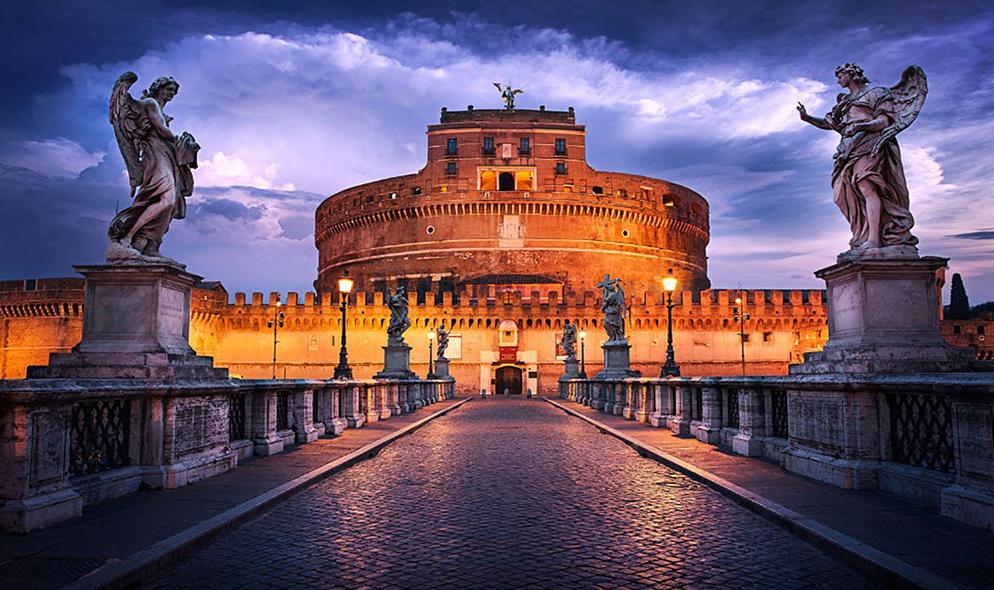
(883, 317)
(396, 363)
(571, 369)
(136, 325)
(442, 370)
(616, 361)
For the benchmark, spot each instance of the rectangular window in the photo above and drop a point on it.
(452, 146)
(981, 330)
(767, 336)
(957, 329)
(745, 337)
(450, 168)
(525, 147)
(560, 146)
(560, 167)
(416, 190)
(488, 146)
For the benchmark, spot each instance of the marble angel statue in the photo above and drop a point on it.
(159, 164)
(868, 177)
(613, 306)
(399, 322)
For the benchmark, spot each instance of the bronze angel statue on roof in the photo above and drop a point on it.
(507, 94)
(159, 164)
(868, 177)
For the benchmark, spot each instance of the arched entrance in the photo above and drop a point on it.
(505, 182)
(508, 378)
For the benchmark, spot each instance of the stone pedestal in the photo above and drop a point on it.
(442, 370)
(883, 317)
(136, 325)
(396, 363)
(571, 369)
(616, 361)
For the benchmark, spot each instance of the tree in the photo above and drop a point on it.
(959, 303)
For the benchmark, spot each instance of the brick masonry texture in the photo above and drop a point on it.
(509, 493)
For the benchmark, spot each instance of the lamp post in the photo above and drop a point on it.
(343, 370)
(583, 355)
(276, 323)
(740, 316)
(670, 368)
(431, 351)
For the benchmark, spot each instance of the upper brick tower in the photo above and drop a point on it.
(509, 193)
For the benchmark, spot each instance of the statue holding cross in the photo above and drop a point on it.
(613, 306)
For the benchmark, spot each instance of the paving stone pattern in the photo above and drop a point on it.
(509, 494)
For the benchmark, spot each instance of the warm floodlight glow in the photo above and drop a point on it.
(345, 285)
(583, 334)
(738, 300)
(431, 335)
(669, 281)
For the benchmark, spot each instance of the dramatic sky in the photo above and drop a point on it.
(293, 104)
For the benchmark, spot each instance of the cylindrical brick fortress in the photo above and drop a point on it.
(509, 192)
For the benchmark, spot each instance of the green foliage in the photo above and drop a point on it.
(959, 303)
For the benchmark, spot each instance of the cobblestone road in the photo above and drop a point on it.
(508, 494)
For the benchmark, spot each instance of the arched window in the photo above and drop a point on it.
(506, 181)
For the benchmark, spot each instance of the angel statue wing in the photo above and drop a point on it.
(125, 118)
(517, 91)
(909, 96)
(499, 89)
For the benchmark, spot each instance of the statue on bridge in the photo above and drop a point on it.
(569, 341)
(399, 322)
(442, 335)
(159, 165)
(613, 307)
(868, 176)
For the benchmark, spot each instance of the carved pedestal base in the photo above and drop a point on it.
(396, 363)
(571, 369)
(442, 370)
(616, 361)
(883, 317)
(136, 325)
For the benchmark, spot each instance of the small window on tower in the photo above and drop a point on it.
(450, 168)
(560, 167)
(560, 146)
(488, 146)
(452, 147)
(597, 190)
(416, 190)
(525, 147)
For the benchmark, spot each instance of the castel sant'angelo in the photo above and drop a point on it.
(503, 236)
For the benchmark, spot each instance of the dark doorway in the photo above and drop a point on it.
(505, 182)
(508, 378)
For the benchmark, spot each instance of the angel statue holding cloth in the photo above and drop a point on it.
(868, 177)
(159, 165)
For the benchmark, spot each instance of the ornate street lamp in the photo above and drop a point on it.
(670, 368)
(741, 317)
(276, 323)
(343, 370)
(431, 351)
(583, 355)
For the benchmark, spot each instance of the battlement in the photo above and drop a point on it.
(473, 115)
(513, 298)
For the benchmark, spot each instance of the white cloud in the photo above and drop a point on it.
(52, 157)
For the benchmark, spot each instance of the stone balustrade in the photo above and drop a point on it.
(68, 443)
(925, 437)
